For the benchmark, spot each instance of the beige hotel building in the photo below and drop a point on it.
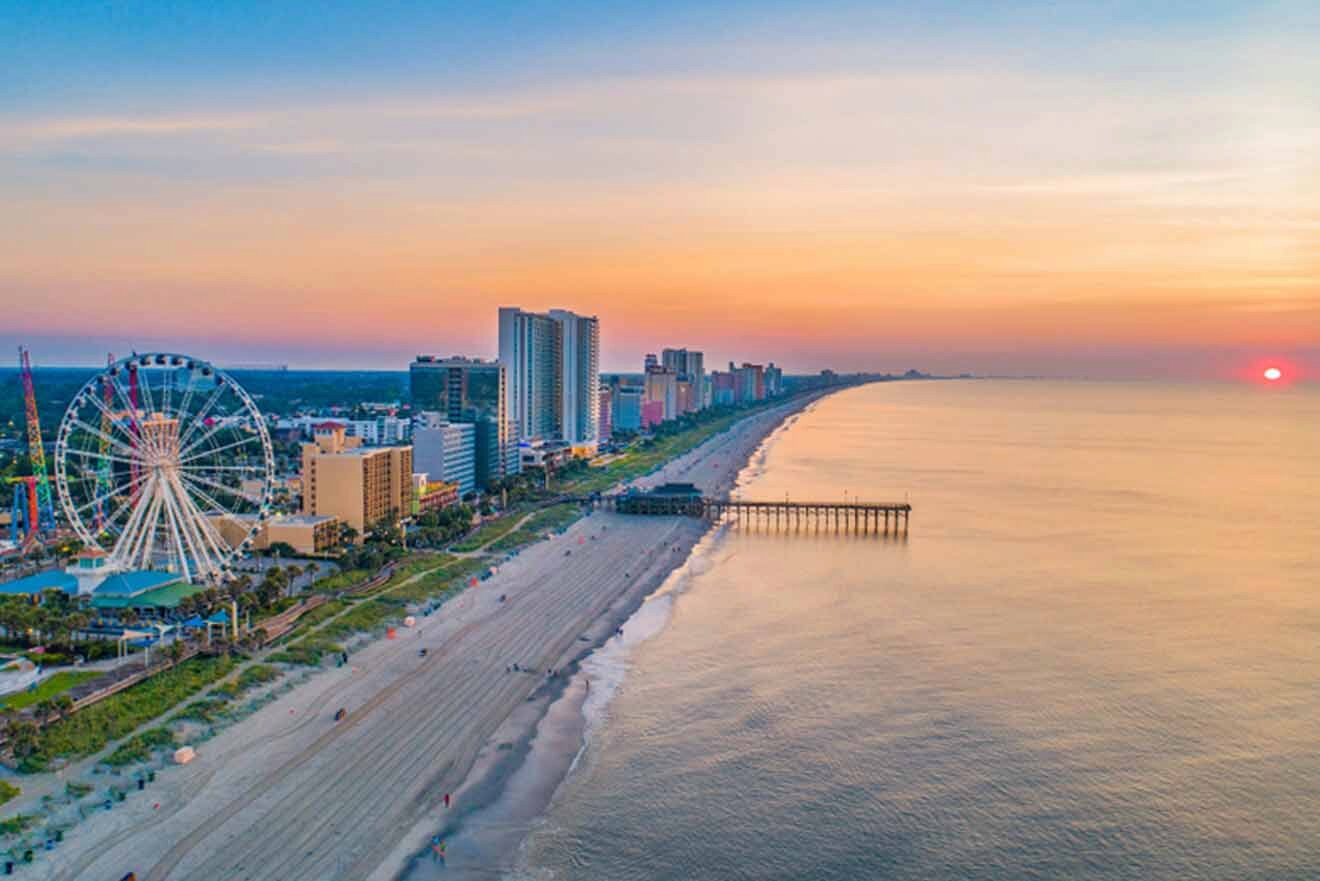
(360, 486)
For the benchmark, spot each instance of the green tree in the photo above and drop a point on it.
(282, 549)
(23, 736)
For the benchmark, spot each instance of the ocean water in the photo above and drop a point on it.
(1095, 656)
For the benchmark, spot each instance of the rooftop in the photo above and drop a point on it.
(131, 584)
(302, 519)
(164, 597)
(42, 581)
(674, 489)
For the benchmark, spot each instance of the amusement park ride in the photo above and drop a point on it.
(33, 514)
(161, 460)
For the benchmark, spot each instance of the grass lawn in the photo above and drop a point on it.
(428, 587)
(489, 532)
(87, 731)
(548, 520)
(341, 580)
(642, 459)
(57, 684)
(405, 569)
(310, 620)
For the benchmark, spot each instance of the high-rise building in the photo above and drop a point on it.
(723, 392)
(662, 388)
(606, 418)
(474, 391)
(749, 382)
(774, 381)
(690, 367)
(684, 396)
(446, 451)
(579, 378)
(530, 348)
(361, 486)
(553, 365)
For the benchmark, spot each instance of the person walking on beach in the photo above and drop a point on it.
(446, 800)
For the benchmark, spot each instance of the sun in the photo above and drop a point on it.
(1273, 374)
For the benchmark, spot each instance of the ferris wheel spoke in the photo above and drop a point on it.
(166, 387)
(206, 481)
(176, 532)
(130, 407)
(206, 469)
(202, 525)
(187, 396)
(132, 483)
(150, 527)
(108, 415)
(211, 432)
(111, 521)
(185, 459)
(136, 537)
(200, 418)
(144, 390)
(94, 456)
(182, 535)
(119, 446)
(216, 507)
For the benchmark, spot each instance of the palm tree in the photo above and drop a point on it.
(293, 573)
(77, 621)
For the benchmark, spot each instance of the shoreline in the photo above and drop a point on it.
(526, 762)
(289, 792)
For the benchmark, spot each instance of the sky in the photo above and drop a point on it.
(1107, 189)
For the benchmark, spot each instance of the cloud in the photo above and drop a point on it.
(80, 127)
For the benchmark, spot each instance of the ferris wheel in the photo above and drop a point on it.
(164, 461)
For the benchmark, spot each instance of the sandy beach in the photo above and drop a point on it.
(288, 794)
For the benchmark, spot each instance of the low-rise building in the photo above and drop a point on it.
(429, 495)
(305, 533)
(540, 454)
(145, 592)
(33, 586)
(627, 401)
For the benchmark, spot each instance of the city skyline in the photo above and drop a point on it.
(1127, 193)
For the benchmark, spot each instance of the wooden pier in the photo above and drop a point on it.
(862, 518)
